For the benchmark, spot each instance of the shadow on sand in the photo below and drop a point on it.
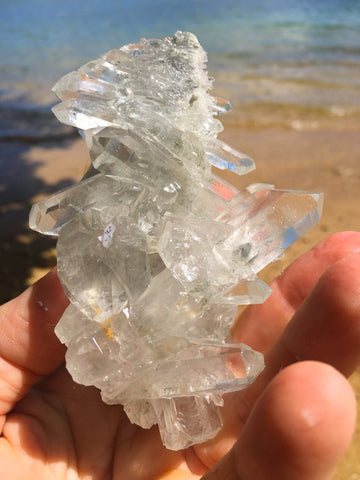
(22, 250)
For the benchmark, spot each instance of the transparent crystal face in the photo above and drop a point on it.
(156, 252)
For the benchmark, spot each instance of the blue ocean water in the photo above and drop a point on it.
(296, 52)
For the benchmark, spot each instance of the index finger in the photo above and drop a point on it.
(260, 325)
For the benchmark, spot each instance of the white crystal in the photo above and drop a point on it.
(155, 251)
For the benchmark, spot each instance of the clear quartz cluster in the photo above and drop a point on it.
(155, 251)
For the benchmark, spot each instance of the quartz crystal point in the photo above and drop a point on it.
(155, 251)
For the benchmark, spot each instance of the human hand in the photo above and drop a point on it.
(294, 422)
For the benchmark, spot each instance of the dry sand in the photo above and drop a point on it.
(324, 160)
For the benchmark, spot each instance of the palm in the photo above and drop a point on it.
(62, 430)
(61, 426)
(74, 430)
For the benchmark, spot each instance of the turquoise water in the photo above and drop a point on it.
(302, 52)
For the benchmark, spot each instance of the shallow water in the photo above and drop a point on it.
(298, 58)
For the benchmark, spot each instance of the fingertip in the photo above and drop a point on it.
(299, 278)
(333, 248)
(313, 406)
(327, 325)
(260, 325)
(301, 425)
(341, 243)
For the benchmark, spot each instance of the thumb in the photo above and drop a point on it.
(29, 348)
(299, 428)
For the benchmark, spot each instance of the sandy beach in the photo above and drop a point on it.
(324, 159)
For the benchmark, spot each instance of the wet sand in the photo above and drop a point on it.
(322, 159)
